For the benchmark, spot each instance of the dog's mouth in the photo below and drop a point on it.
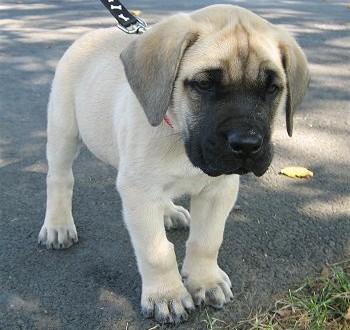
(214, 164)
(214, 171)
(241, 171)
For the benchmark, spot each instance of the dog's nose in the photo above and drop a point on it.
(245, 144)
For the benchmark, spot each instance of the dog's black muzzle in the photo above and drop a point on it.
(240, 150)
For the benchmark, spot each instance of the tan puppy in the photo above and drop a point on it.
(220, 75)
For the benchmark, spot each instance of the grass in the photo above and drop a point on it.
(319, 304)
(212, 323)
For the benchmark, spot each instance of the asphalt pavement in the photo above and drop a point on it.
(285, 230)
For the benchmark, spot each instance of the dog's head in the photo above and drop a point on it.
(222, 73)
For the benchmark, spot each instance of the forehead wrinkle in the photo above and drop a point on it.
(222, 44)
(247, 53)
(237, 50)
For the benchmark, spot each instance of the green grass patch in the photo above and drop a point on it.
(212, 323)
(319, 304)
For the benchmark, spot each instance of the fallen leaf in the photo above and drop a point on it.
(284, 312)
(347, 315)
(326, 272)
(297, 172)
(136, 12)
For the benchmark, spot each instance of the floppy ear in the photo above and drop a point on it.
(152, 60)
(298, 78)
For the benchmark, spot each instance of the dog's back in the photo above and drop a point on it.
(87, 82)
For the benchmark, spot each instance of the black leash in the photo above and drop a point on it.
(126, 21)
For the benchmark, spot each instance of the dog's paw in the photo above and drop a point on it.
(212, 290)
(171, 306)
(58, 236)
(176, 216)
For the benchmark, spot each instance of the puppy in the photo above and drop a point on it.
(188, 107)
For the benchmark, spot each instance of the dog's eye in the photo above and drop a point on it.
(203, 85)
(273, 89)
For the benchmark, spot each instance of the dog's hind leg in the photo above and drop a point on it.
(176, 216)
(63, 144)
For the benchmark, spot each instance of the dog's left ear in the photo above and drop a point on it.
(151, 63)
(297, 73)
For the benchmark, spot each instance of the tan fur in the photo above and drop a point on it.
(111, 112)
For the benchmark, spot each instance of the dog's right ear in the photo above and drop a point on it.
(151, 63)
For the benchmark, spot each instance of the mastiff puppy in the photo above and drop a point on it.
(184, 108)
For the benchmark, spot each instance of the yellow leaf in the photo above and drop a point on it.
(296, 172)
(135, 12)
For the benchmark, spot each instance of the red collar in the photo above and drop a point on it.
(167, 121)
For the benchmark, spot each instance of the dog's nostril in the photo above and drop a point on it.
(243, 144)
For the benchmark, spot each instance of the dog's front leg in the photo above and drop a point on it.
(203, 278)
(163, 293)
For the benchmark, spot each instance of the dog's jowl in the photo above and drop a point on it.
(219, 75)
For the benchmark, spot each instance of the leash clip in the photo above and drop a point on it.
(137, 28)
(126, 21)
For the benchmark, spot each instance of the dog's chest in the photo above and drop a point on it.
(178, 185)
